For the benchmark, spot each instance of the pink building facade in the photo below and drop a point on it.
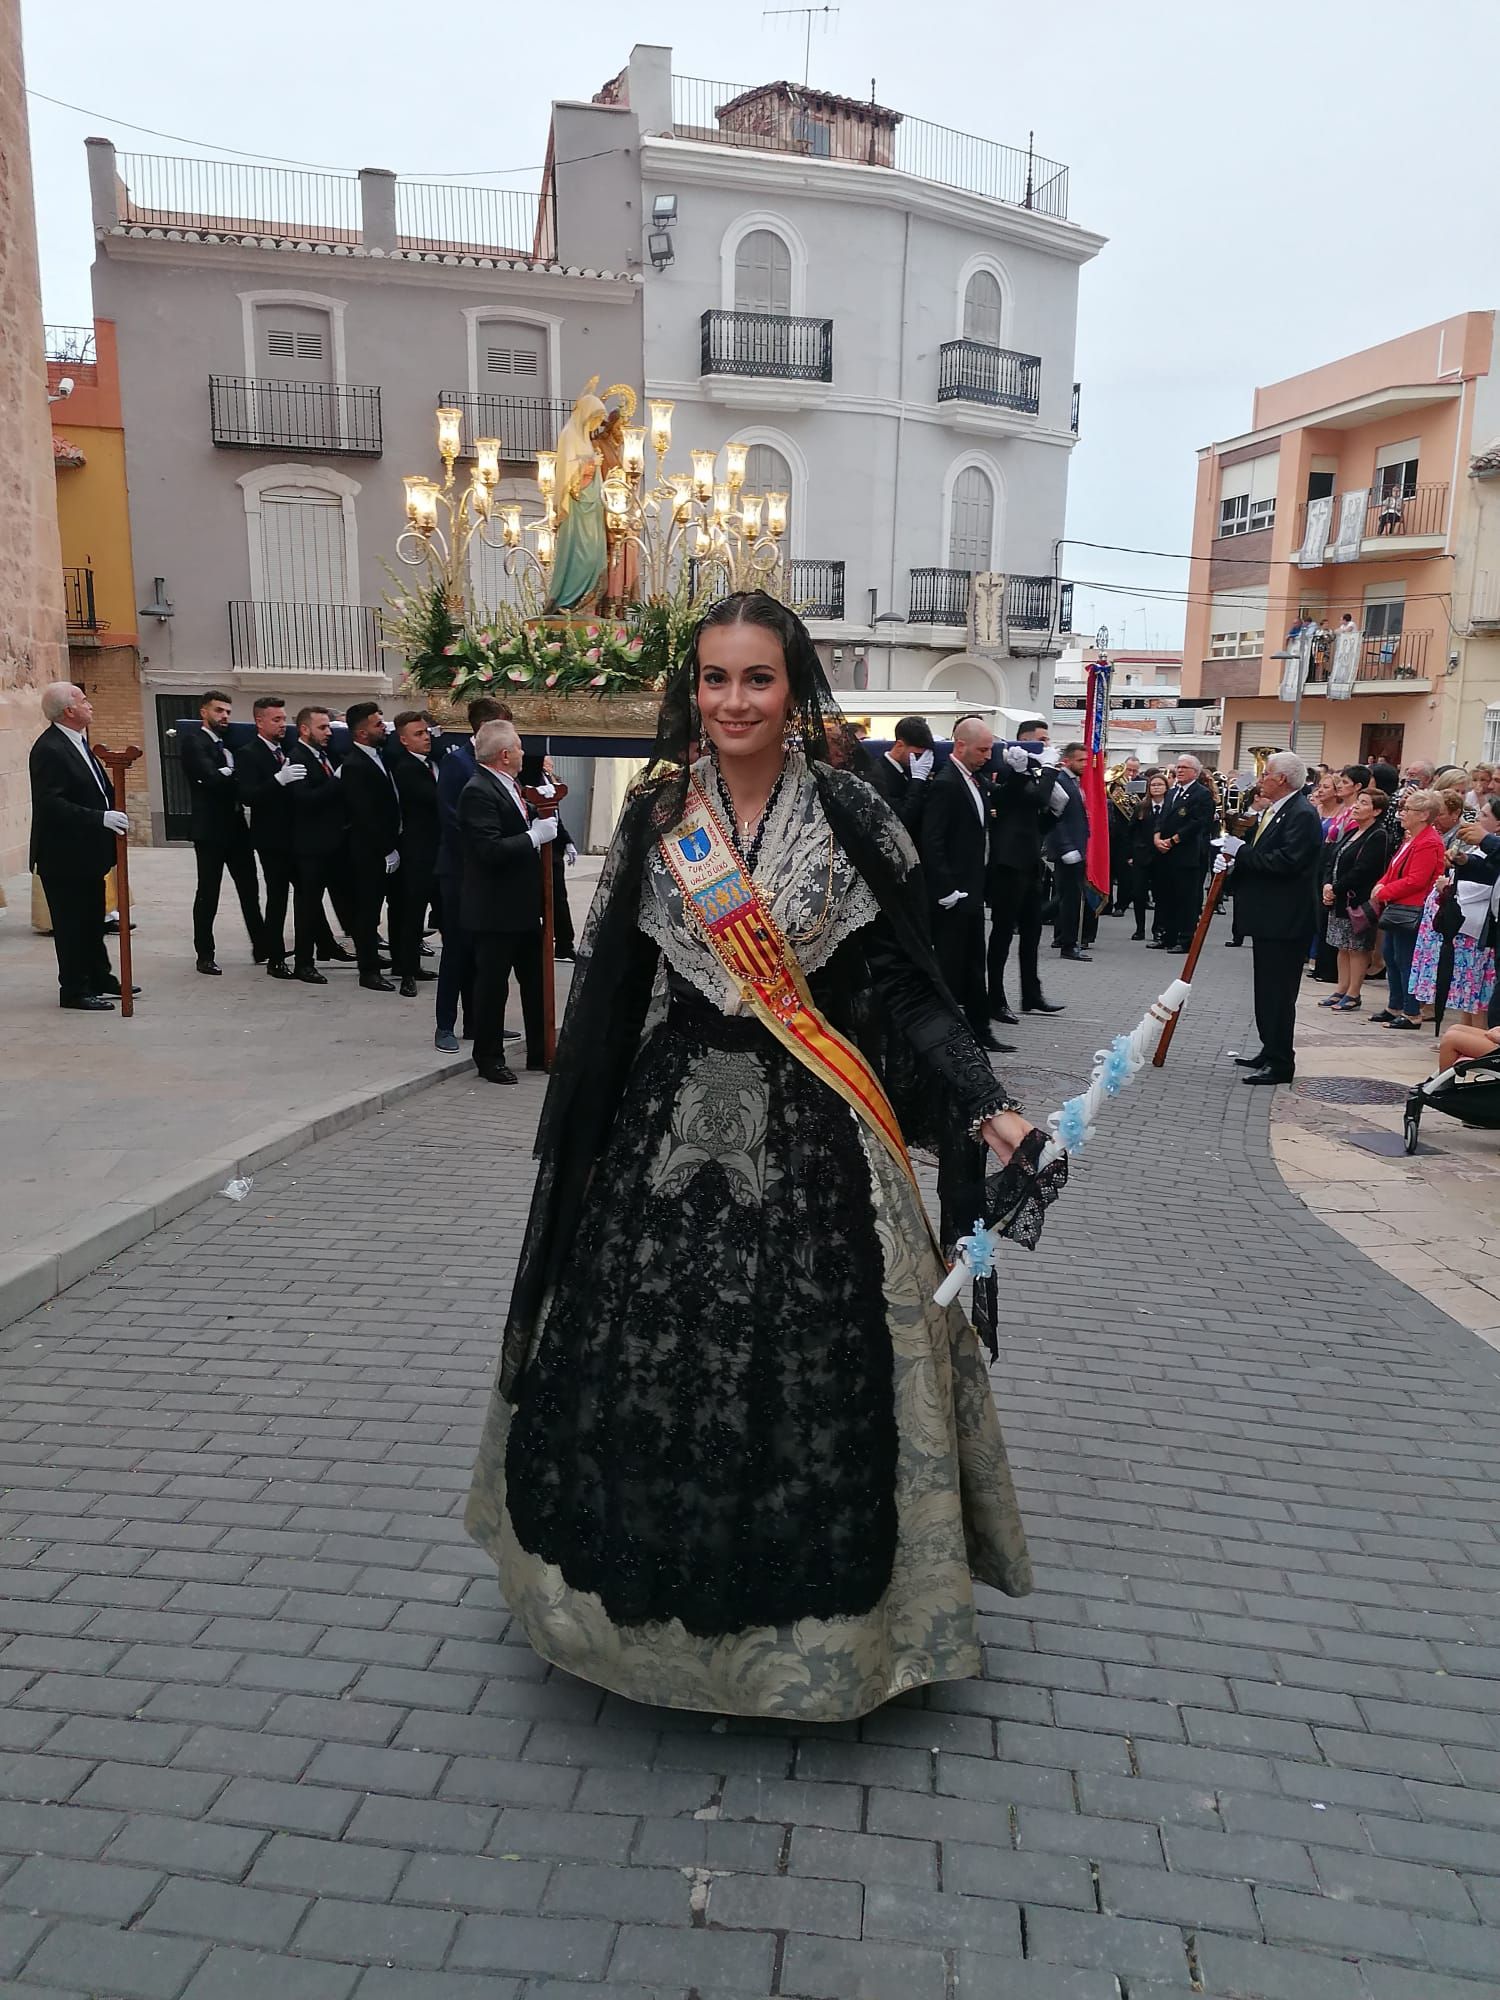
(1359, 493)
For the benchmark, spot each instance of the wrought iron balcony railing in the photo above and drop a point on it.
(971, 371)
(777, 345)
(1383, 656)
(78, 600)
(1077, 398)
(259, 414)
(266, 637)
(941, 597)
(524, 425)
(1421, 510)
(815, 589)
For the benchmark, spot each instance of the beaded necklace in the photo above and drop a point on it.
(751, 854)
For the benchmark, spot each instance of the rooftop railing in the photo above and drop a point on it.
(70, 343)
(788, 118)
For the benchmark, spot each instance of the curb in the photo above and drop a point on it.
(30, 1278)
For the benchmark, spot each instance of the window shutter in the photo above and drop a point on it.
(281, 341)
(309, 347)
(982, 309)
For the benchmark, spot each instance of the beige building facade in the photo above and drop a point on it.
(33, 649)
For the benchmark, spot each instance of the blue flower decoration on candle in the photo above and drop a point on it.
(1072, 1124)
(1115, 1073)
(979, 1251)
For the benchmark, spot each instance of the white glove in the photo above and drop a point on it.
(1072, 858)
(1221, 866)
(570, 854)
(543, 832)
(1017, 758)
(1228, 844)
(392, 862)
(117, 822)
(920, 766)
(291, 774)
(1058, 802)
(546, 789)
(953, 899)
(227, 770)
(1050, 758)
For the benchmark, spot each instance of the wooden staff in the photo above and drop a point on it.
(118, 762)
(1190, 963)
(544, 805)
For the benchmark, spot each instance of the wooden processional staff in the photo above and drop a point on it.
(1190, 964)
(544, 805)
(117, 763)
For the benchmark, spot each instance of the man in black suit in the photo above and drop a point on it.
(319, 838)
(73, 829)
(1182, 843)
(221, 838)
(1276, 893)
(899, 775)
(412, 767)
(953, 839)
(1021, 801)
(1066, 846)
(502, 898)
(263, 777)
(372, 811)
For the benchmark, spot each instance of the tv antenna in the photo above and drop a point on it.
(802, 13)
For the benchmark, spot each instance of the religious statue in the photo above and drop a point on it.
(581, 555)
(622, 586)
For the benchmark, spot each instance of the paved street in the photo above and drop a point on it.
(268, 1733)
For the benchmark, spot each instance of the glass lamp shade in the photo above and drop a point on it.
(450, 431)
(616, 498)
(750, 506)
(487, 460)
(633, 454)
(546, 472)
(703, 474)
(734, 460)
(661, 427)
(682, 494)
(703, 540)
(545, 544)
(479, 496)
(421, 502)
(510, 526)
(776, 504)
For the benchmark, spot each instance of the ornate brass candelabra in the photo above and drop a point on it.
(442, 521)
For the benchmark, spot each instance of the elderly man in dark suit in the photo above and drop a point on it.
(501, 902)
(953, 840)
(221, 839)
(1181, 842)
(73, 829)
(1276, 891)
(1066, 846)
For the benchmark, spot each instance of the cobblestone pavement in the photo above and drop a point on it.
(267, 1731)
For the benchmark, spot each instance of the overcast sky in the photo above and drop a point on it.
(1281, 183)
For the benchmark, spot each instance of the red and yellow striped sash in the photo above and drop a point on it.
(719, 898)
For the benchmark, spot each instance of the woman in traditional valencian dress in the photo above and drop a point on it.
(736, 1458)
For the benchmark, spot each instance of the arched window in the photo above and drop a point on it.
(983, 307)
(766, 471)
(762, 273)
(971, 528)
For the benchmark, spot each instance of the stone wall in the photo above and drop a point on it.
(32, 642)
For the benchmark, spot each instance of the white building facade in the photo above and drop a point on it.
(886, 312)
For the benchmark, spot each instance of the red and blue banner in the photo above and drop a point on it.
(1095, 797)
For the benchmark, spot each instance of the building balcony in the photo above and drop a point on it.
(524, 425)
(1077, 399)
(815, 589)
(341, 640)
(773, 346)
(78, 604)
(941, 597)
(331, 418)
(971, 371)
(1396, 524)
(1386, 660)
(809, 124)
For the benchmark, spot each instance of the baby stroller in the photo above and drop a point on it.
(1469, 1092)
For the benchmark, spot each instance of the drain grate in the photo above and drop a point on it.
(1353, 1090)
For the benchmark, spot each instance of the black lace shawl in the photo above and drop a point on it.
(892, 1002)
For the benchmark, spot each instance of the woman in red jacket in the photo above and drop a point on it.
(1399, 896)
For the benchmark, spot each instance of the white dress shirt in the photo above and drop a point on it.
(76, 736)
(974, 792)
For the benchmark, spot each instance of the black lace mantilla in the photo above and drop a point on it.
(706, 1430)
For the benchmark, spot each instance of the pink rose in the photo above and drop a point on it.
(599, 681)
(592, 656)
(621, 635)
(554, 647)
(551, 681)
(485, 674)
(592, 631)
(449, 650)
(636, 648)
(519, 675)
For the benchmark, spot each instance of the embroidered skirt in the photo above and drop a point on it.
(751, 1468)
